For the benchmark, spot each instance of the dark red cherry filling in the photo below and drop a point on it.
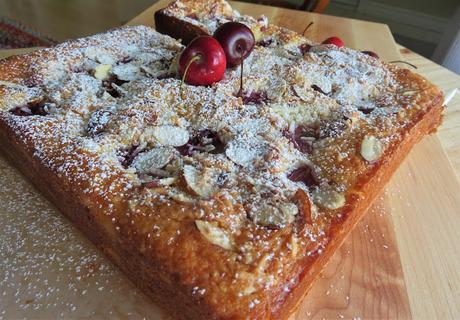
(254, 97)
(304, 174)
(125, 59)
(193, 16)
(267, 42)
(166, 75)
(203, 141)
(107, 84)
(304, 48)
(318, 89)
(127, 156)
(303, 137)
(366, 110)
(79, 69)
(151, 184)
(33, 108)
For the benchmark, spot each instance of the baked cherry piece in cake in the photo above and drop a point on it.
(219, 205)
(31, 108)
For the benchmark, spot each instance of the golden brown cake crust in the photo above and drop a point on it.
(176, 28)
(164, 236)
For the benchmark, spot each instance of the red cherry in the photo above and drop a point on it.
(304, 174)
(203, 61)
(371, 53)
(237, 40)
(335, 41)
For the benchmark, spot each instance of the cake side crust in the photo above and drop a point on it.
(66, 197)
(427, 124)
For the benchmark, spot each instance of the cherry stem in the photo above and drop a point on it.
(405, 62)
(240, 92)
(241, 74)
(306, 28)
(195, 58)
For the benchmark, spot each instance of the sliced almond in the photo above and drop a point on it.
(102, 71)
(294, 245)
(126, 72)
(202, 183)
(214, 234)
(170, 135)
(274, 216)
(329, 199)
(167, 181)
(371, 148)
(305, 205)
(106, 96)
(156, 158)
(244, 151)
(91, 53)
(153, 71)
(100, 55)
(174, 66)
(276, 89)
(320, 48)
(239, 154)
(303, 93)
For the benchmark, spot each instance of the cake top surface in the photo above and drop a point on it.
(250, 183)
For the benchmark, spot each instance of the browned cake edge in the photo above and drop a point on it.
(426, 123)
(177, 28)
(146, 276)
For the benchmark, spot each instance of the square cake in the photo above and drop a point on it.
(218, 203)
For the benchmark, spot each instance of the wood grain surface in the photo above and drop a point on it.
(364, 278)
(425, 203)
(401, 260)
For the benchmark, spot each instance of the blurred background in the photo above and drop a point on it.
(430, 28)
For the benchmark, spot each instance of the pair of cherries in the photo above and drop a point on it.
(205, 59)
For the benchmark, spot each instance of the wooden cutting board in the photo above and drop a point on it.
(48, 269)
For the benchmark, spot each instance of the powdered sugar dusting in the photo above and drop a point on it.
(48, 269)
(112, 120)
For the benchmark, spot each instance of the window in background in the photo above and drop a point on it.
(416, 24)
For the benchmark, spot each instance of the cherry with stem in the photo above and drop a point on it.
(238, 41)
(202, 62)
(195, 58)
